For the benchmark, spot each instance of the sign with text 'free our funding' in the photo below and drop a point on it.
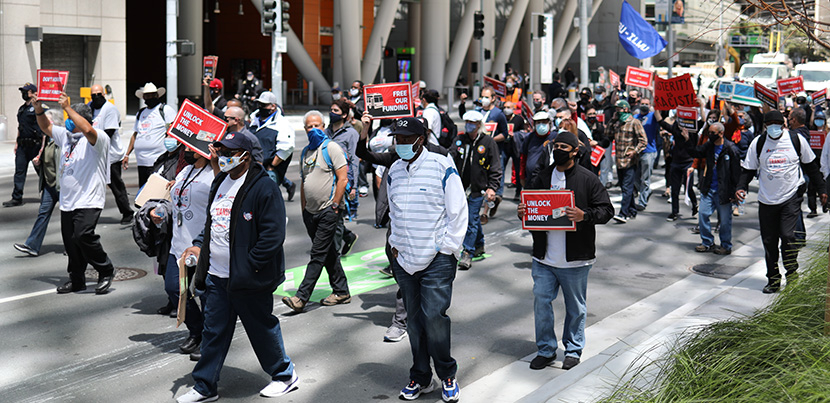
(545, 210)
(197, 128)
(389, 101)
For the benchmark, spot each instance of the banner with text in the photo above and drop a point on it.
(50, 84)
(389, 101)
(545, 210)
(210, 64)
(416, 95)
(744, 94)
(766, 95)
(817, 138)
(792, 85)
(674, 92)
(498, 86)
(637, 77)
(197, 128)
(596, 155)
(820, 97)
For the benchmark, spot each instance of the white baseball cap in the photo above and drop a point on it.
(541, 115)
(149, 88)
(267, 97)
(473, 116)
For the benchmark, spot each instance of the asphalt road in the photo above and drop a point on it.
(94, 348)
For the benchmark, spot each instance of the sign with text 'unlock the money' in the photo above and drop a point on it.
(545, 210)
(389, 101)
(197, 128)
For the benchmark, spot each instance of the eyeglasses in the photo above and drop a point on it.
(233, 117)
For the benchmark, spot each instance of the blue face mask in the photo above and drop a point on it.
(171, 144)
(335, 118)
(542, 129)
(774, 131)
(819, 122)
(469, 127)
(70, 125)
(315, 138)
(598, 97)
(406, 151)
(558, 122)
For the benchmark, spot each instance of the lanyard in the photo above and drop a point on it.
(186, 182)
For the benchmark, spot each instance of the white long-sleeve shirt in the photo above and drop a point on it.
(427, 208)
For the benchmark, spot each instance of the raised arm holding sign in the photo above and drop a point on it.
(197, 128)
(389, 101)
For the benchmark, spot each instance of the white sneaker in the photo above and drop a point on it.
(394, 334)
(193, 396)
(279, 388)
(363, 191)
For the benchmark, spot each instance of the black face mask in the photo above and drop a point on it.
(713, 137)
(536, 104)
(215, 94)
(152, 102)
(98, 101)
(190, 157)
(561, 157)
(264, 112)
(25, 96)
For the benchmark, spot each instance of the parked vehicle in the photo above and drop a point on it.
(816, 75)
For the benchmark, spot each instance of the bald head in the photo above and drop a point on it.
(236, 118)
(96, 89)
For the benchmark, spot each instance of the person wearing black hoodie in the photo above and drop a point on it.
(681, 161)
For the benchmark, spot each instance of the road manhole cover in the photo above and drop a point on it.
(716, 270)
(121, 274)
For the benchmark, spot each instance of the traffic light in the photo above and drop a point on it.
(540, 26)
(478, 30)
(269, 16)
(285, 15)
(486, 54)
(388, 53)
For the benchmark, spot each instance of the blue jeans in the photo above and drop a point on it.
(426, 296)
(193, 318)
(263, 328)
(628, 179)
(48, 199)
(547, 281)
(504, 157)
(475, 234)
(708, 203)
(646, 166)
(22, 157)
(606, 167)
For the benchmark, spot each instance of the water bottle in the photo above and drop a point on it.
(191, 261)
(490, 203)
(741, 208)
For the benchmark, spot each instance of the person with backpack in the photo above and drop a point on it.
(429, 99)
(150, 129)
(324, 175)
(782, 159)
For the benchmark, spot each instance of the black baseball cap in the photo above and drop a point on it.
(408, 127)
(773, 116)
(235, 141)
(28, 87)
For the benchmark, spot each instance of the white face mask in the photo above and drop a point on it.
(508, 111)
(227, 164)
(485, 102)
(353, 92)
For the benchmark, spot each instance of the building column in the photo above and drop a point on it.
(434, 42)
(562, 28)
(489, 11)
(380, 35)
(510, 33)
(190, 23)
(463, 36)
(337, 51)
(351, 42)
(414, 24)
(533, 6)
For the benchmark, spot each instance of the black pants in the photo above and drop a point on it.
(281, 169)
(811, 193)
(324, 229)
(781, 222)
(144, 174)
(83, 245)
(119, 190)
(25, 154)
(678, 178)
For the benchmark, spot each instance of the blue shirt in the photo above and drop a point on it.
(651, 127)
(714, 186)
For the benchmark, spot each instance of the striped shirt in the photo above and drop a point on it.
(428, 210)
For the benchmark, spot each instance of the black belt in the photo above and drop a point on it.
(25, 141)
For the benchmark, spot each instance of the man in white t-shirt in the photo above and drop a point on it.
(106, 118)
(432, 114)
(82, 170)
(781, 188)
(149, 131)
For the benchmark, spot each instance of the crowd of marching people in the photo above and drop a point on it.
(436, 185)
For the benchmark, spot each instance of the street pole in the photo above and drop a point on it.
(583, 43)
(670, 33)
(382, 56)
(172, 63)
(276, 57)
(481, 51)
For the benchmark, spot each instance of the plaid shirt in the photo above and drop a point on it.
(630, 139)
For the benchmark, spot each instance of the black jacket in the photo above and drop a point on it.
(478, 162)
(679, 154)
(257, 232)
(729, 168)
(591, 197)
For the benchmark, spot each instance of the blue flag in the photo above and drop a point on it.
(637, 36)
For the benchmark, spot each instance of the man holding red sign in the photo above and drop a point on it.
(563, 259)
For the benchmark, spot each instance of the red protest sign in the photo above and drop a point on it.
(766, 95)
(596, 155)
(499, 87)
(197, 128)
(614, 78)
(210, 64)
(50, 84)
(687, 118)
(674, 92)
(817, 138)
(510, 128)
(820, 97)
(490, 127)
(792, 85)
(416, 92)
(389, 101)
(545, 210)
(637, 77)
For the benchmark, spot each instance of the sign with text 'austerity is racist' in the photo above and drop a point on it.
(674, 92)
(389, 101)
(545, 210)
(50, 84)
(637, 77)
(197, 128)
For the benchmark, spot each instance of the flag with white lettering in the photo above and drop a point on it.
(637, 36)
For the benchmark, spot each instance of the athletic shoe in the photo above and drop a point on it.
(279, 388)
(450, 391)
(387, 271)
(291, 190)
(348, 243)
(193, 396)
(363, 191)
(620, 218)
(570, 362)
(812, 214)
(720, 250)
(414, 390)
(639, 207)
(335, 299)
(466, 261)
(540, 362)
(673, 217)
(479, 252)
(22, 247)
(394, 334)
(696, 229)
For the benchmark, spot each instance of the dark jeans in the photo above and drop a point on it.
(628, 178)
(144, 174)
(119, 190)
(399, 318)
(679, 178)
(323, 229)
(780, 222)
(262, 327)
(83, 245)
(48, 199)
(22, 157)
(193, 318)
(427, 295)
(475, 234)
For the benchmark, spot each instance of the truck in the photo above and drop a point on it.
(816, 75)
(766, 69)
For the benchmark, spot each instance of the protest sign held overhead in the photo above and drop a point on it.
(596, 155)
(638, 36)
(389, 101)
(744, 94)
(614, 79)
(687, 117)
(766, 95)
(674, 92)
(545, 210)
(416, 98)
(820, 97)
(792, 85)
(210, 63)
(725, 90)
(499, 87)
(637, 77)
(50, 84)
(197, 128)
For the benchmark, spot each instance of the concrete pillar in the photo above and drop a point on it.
(380, 35)
(337, 51)
(510, 33)
(191, 15)
(415, 37)
(350, 40)
(463, 36)
(434, 41)
(573, 40)
(299, 56)
(562, 27)
(533, 6)
(489, 11)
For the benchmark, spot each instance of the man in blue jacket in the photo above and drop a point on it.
(241, 263)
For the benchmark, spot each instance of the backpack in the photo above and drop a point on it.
(795, 139)
(161, 106)
(448, 129)
(326, 158)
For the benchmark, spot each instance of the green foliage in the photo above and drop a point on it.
(779, 354)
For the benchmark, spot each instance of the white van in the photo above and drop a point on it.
(766, 74)
(816, 75)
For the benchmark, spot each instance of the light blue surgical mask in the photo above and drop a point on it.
(819, 122)
(469, 127)
(598, 97)
(171, 144)
(70, 125)
(558, 121)
(542, 129)
(774, 131)
(407, 152)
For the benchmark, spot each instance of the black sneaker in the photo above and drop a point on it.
(570, 362)
(348, 242)
(13, 203)
(291, 190)
(812, 214)
(479, 252)
(22, 247)
(772, 287)
(541, 362)
(696, 229)
(127, 219)
(639, 207)
(673, 217)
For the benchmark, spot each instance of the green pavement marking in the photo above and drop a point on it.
(482, 257)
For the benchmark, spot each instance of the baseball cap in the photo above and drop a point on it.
(267, 97)
(773, 116)
(541, 115)
(235, 141)
(408, 127)
(216, 83)
(28, 87)
(473, 116)
(623, 104)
